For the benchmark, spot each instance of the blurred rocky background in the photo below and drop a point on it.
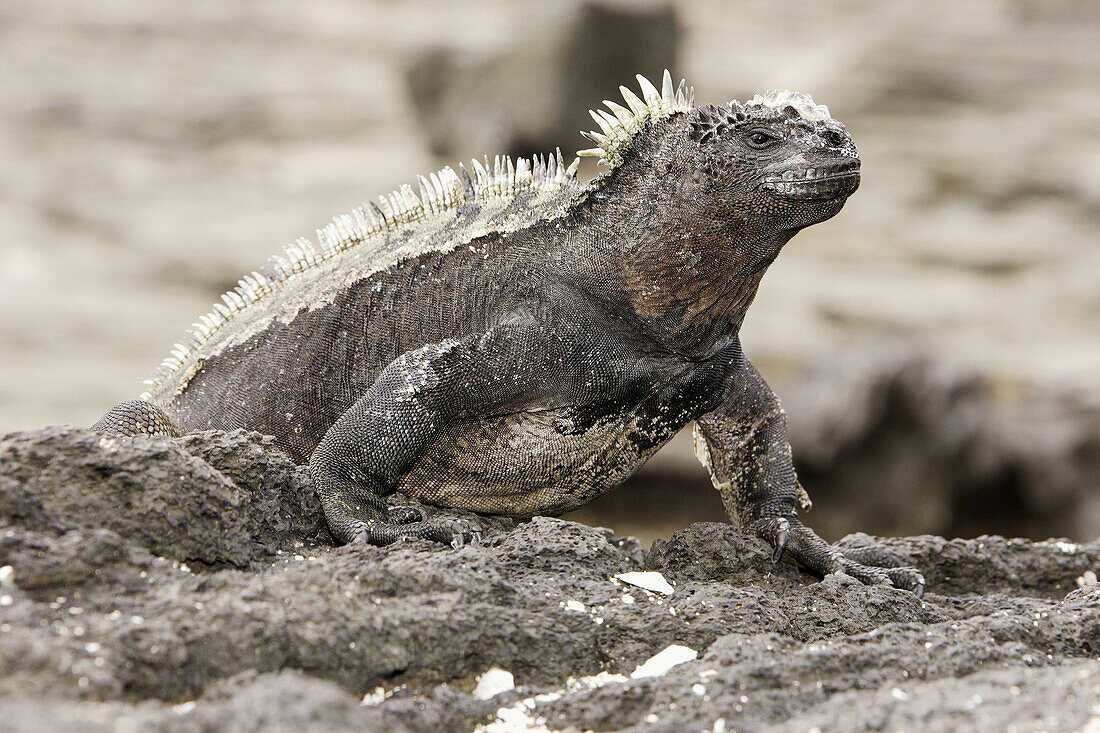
(935, 344)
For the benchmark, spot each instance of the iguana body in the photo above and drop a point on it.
(516, 344)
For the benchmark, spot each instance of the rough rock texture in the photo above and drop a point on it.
(187, 585)
(159, 495)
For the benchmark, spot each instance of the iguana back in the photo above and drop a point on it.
(292, 347)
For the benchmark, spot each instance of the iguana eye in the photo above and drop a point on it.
(761, 138)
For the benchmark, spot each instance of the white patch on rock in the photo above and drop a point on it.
(378, 694)
(591, 682)
(661, 662)
(374, 697)
(7, 575)
(492, 682)
(650, 580)
(514, 720)
(1067, 547)
(184, 708)
(521, 715)
(574, 606)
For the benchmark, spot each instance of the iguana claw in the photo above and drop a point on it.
(782, 534)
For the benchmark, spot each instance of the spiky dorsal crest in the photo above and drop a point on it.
(371, 226)
(620, 126)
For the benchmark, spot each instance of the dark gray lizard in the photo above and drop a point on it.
(511, 342)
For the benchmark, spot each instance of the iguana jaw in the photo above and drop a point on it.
(815, 183)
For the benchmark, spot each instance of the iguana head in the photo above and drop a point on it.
(707, 197)
(776, 163)
(778, 154)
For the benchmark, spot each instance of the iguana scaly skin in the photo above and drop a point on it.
(510, 342)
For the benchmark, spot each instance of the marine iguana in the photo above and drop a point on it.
(511, 342)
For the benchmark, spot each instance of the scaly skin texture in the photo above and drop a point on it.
(527, 352)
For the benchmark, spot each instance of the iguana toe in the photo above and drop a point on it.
(782, 536)
(878, 556)
(405, 514)
(908, 578)
(358, 532)
(457, 532)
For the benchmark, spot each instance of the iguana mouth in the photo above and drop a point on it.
(812, 183)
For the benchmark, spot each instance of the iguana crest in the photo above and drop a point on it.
(802, 103)
(386, 230)
(618, 129)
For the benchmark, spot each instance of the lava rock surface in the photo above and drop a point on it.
(190, 585)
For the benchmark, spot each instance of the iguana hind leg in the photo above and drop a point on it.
(137, 417)
(367, 450)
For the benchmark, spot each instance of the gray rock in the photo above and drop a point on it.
(158, 495)
(114, 617)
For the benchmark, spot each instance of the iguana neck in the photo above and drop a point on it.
(687, 277)
(692, 281)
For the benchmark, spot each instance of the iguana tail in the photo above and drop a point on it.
(137, 417)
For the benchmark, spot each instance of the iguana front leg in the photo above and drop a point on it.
(743, 443)
(366, 451)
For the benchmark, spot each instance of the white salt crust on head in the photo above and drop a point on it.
(803, 103)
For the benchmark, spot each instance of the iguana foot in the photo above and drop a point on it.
(456, 532)
(453, 532)
(877, 559)
(871, 564)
